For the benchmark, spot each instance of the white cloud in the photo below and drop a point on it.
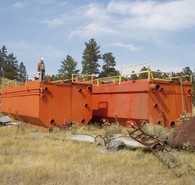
(19, 5)
(130, 47)
(45, 1)
(55, 22)
(135, 18)
(134, 8)
(153, 15)
(94, 21)
(159, 29)
(85, 21)
(92, 30)
(96, 12)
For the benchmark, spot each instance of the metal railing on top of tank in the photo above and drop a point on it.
(10, 83)
(86, 78)
(143, 74)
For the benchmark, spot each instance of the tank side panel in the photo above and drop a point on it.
(166, 104)
(159, 102)
(21, 100)
(55, 103)
(64, 103)
(81, 103)
(127, 101)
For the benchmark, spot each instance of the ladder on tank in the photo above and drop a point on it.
(162, 151)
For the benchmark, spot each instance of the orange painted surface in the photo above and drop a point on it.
(159, 102)
(46, 103)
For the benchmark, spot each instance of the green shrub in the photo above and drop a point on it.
(184, 117)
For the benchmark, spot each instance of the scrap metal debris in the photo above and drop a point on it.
(83, 137)
(5, 120)
(162, 151)
(113, 145)
(103, 140)
(184, 136)
(129, 142)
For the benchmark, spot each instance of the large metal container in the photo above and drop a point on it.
(48, 104)
(155, 101)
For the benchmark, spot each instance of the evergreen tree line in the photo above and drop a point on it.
(90, 62)
(10, 67)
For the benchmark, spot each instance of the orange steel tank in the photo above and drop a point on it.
(48, 104)
(155, 101)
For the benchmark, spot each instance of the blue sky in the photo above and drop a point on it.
(135, 31)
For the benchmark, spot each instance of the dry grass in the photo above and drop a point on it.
(33, 156)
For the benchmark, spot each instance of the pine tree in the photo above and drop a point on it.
(1, 63)
(91, 55)
(68, 67)
(187, 72)
(11, 67)
(143, 75)
(134, 76)
(3, 56)
(157, 74)
(108, 69)
(22, 72)
(8, 65)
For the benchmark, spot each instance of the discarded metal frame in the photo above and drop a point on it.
(162, 151)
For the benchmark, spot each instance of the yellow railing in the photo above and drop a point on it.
(135, 65)
(150, 75)
(165, 76)
(112, 79)
(10, 83)
(86, 78)
(82, 78)
(61, 81)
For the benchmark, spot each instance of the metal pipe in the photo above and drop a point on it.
(153, 86)
(89, 88)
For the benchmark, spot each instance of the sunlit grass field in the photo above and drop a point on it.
(33, 156)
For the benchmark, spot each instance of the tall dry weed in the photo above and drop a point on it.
(39, 157)
(156, 130)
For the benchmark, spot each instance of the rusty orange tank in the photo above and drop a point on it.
(122, 98)
(48, 104)
(158, 101)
